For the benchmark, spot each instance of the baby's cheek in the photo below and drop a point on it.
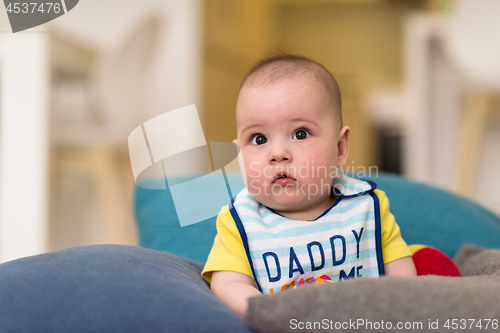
(259, 185)
(319, 178)
(255, 182)
(253, 188)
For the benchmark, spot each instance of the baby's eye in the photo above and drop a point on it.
(301, 134)
(259, 140)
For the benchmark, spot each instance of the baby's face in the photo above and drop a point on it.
(290, 127)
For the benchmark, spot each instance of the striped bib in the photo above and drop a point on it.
(343, 243)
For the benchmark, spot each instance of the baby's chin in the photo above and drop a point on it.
(286, 204)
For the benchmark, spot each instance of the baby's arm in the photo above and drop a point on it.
(233, 289)
(397, 255)
(401, 267)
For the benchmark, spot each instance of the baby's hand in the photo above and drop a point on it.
(234, 289)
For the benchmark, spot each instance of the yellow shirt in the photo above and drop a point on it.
(228, 252)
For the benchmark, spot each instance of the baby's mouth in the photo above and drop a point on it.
(282, 175)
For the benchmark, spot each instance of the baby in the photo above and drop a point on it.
(298, 222)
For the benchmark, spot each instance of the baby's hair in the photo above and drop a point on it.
(286, 66)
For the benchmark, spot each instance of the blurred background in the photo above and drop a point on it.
(419, 84)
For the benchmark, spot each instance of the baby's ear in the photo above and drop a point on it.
(343, 145)
(235, 141)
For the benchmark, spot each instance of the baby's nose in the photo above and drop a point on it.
(280, 153)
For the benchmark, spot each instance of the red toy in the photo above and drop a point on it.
(431, 261)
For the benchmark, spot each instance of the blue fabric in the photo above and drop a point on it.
(425, 214)
(159, 228)
(109, 288)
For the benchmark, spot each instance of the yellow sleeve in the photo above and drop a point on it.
(393, 245)
(228, 252)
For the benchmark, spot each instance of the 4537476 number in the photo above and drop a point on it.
(471, 324)
(33, 7)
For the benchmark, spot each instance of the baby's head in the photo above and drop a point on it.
(289, 122)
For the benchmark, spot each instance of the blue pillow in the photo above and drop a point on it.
(425, 214)
(110, 288)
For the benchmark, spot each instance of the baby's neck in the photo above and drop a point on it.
(310, 213)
